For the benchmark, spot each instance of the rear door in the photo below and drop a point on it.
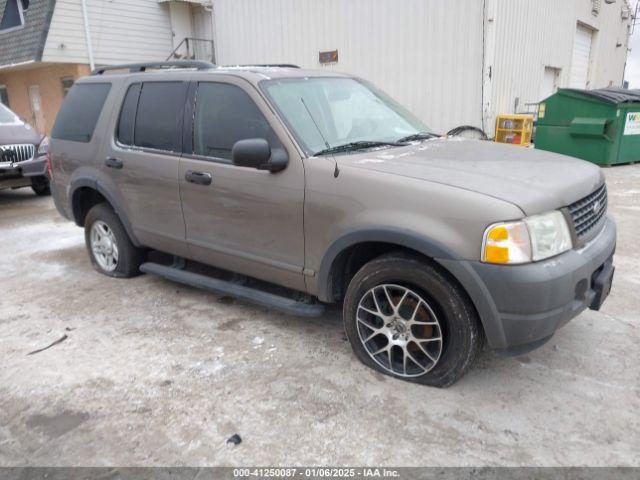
(243, 219)
(144, 161)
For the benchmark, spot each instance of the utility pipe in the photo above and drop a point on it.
(87, 35)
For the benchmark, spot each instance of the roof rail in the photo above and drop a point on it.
(141, 67)
(273, 65)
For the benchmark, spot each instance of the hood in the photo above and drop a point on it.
(13, 133)
(534, 180)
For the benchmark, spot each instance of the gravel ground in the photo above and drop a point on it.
(155, 373)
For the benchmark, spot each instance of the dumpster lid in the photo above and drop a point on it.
(611, 95)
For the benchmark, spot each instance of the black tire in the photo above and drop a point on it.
(129, 258)
(460, 331)
(40, 186)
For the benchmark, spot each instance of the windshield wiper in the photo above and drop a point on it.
(362, 145)
(418, 136)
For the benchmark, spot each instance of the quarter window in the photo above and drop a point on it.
(4, 97)
(158, 120)
(80, 111)
(225, 114)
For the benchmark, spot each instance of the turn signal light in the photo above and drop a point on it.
(507, 243)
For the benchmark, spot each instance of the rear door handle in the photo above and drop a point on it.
(113, 163)
(199, 178)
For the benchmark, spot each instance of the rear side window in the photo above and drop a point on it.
(158, 121)
(225, 114)
(128, 115)
(80, 111)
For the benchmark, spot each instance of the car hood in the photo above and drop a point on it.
(18, 133)
(534, 180)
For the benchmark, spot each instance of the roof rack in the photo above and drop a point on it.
(141, 67)
(267, 65)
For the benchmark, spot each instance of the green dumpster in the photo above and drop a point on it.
(602, 126)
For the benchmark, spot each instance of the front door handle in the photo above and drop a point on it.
(113, 163)
(199, 178)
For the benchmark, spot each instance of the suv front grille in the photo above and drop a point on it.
(588, 212)
(17, 153)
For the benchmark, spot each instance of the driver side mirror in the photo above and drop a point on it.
(256, 153)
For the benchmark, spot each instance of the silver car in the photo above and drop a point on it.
(23, 155)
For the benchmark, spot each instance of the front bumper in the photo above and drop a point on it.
(523, 305)
(15, 175)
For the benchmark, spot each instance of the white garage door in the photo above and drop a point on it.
(581, 57)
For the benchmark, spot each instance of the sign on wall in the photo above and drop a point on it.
(632, 127)
(328, 57)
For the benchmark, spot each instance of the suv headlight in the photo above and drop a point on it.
(529, 240)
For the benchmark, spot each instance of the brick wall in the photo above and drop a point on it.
(48, 77)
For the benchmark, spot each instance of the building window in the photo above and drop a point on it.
(4, 97)
(67, 83)
(13, 16)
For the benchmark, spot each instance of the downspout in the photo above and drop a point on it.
(630, 31)
(211, 10)
(87, 35)
(484, 60)
(488, 60)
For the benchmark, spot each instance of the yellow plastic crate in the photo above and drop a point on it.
(514, 129)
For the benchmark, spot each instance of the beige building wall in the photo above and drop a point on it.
(451, 62)
(48, 80)
(530, 37)
(425, 54)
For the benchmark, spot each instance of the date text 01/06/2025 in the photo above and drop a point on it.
(316, 472)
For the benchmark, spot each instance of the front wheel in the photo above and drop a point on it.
(407, 318)
(40, 186)
(111, 251)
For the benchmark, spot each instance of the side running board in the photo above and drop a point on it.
(223, 287)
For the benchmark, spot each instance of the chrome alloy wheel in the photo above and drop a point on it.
(399, 330)
(104, 246)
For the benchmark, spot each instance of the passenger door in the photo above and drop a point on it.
(240, 219)
(144, 162)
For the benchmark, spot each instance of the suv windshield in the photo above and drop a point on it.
(344, 111)
(7, 116)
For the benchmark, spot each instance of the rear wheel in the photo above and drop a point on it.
(110, 249)
(40, 186)
(406, 318)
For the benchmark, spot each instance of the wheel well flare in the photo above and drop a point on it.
(83, 200)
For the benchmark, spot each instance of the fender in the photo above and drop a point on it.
(456, 266)
(400, 237)
(117, 207)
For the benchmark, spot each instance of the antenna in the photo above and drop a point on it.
(336, 171)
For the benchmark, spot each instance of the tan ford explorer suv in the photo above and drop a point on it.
(294, 189)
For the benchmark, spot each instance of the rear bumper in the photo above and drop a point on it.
(524, 305)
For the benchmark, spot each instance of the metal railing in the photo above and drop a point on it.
(194, 49)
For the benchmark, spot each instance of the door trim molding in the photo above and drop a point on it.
(247, 256)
